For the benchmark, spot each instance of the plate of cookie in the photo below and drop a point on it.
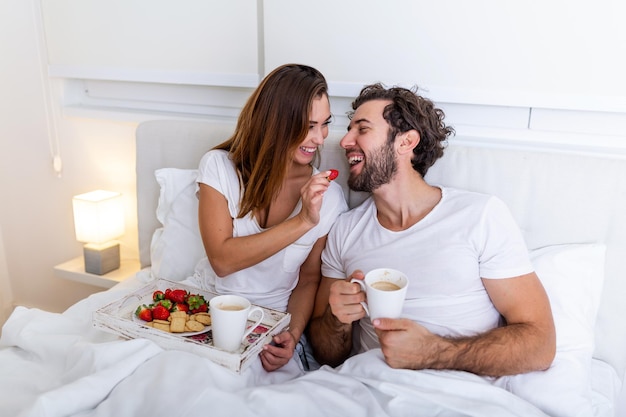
(179, 323)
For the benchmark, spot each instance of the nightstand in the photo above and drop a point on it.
(74, 270)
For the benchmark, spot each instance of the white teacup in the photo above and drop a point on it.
(385, 289)
(229, 316)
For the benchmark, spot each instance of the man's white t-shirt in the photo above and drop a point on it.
(270, 282)
(465, 237)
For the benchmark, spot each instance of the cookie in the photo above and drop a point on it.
(194, 326)
(177, 325)
(161, 326)
(182, 314)
(204, 318)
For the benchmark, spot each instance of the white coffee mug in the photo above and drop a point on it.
(229, 317)
(385, 289)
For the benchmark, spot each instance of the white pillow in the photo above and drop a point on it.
(573, 277)
(177, 247)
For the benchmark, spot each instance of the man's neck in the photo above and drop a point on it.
(405, 201)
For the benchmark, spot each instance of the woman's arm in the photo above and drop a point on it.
(303, 296)
(300, 307)
(228, 254)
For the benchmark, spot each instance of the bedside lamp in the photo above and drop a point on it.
(98, 219)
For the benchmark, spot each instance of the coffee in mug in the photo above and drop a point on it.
(385, 286)
(231, 308)
(229, 317)
(385, 290)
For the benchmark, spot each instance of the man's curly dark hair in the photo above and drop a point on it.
(408, 111)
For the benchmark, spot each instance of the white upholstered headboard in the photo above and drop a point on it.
(556, 198)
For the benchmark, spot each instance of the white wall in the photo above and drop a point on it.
(35, 204)
(546, 69)
(557, 53)
(545, 73)
(6, 302)
(196, 41)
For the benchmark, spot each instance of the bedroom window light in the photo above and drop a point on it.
(98, 220)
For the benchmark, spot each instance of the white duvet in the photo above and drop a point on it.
(60, 365)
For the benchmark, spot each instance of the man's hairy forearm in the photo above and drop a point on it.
(504, 351)
(331, 340)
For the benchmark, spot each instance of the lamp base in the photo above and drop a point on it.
(101, 259)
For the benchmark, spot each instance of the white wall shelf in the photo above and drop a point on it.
(74, 270)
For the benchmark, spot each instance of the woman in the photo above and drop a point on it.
(264, 209)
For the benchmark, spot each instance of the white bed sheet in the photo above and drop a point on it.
(605, 385)
(60, 365)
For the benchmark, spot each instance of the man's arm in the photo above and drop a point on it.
(330, 330)
(526, 343)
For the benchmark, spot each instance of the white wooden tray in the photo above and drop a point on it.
(117, 318)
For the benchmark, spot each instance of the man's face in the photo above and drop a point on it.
(370, 153)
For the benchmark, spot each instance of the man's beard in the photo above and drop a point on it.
(380, 167)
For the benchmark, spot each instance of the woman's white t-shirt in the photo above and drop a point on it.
(270, 282)
(466, 237)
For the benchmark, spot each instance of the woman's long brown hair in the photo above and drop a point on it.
(272, 124)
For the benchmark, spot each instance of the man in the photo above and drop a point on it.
(473, 302)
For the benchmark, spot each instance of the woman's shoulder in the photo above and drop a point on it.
(215, 154)
(217, 170)
(215, 158)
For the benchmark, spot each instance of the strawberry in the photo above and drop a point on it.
(180, 307)
(176, 296)
(166, 303)
(144, 313)
(203, 308)
(158, 295)
(160, 313)
(197, 303)
(333, 174)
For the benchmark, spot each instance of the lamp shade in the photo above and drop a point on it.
(98, 216)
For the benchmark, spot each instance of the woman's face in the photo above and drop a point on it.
(318, 130)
